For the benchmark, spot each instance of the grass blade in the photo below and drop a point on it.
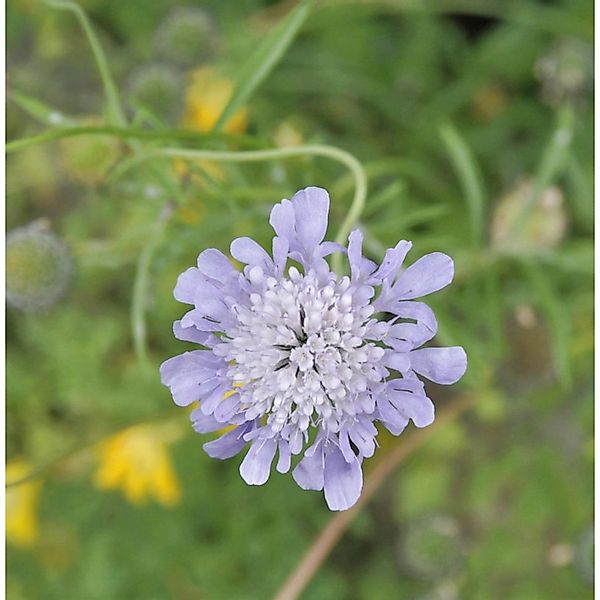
(264, 58)
(39, 110)
(554, 160)
(115, 110)
(468, 173)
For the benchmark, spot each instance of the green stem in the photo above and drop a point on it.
(116, 113)
(122, 133)
(341, 156)
(140, 286)
(468, 173)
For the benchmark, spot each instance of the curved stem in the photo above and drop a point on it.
(348, 160)
(140, 287)
(341, 156)
(337, 525)
(110, 89)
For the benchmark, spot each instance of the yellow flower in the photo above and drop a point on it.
(206, 97)
(22, 527)
(137, 461)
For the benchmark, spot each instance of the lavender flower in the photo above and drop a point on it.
(298, 361)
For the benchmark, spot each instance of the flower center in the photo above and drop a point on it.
(299, 351)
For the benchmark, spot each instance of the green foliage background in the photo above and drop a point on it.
(447, 106)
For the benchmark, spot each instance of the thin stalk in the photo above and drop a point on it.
(320, 549)
(140, 287)
(124, 133)
(116, 113)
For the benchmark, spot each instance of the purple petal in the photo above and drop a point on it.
(392, 261)
(282, 219)
(429, 274)
(362, 434)
(207, 299)
(308, 473)
(256, 467)
(213, 398)
(328, 248)
(360, 267)
(295, 441)
(228, 445)
(195, 318)
(249, 252)
(190, 334)
(311, 207)
(417, 407)
(213, 263)
(363, 294)
(184, 373)
(390, 416)
(342, 480)
(441, 365)
(404, 337)
(355, 240)
(186, 285)
(285, 457)
(281, 247)
(399, 361)
(419, 312)
(225, 409)
(204, 423)
(345, 447)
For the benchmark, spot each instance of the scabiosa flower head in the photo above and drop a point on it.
(296, 358)
(38, 267)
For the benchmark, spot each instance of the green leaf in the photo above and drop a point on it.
(126, 133)
(263, 60)
(39, 110)
(553, 161)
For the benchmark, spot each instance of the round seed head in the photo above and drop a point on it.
(38, 268)
(187, 36)
(157, 88)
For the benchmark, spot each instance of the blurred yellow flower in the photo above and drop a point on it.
(287, 134)
(137, 461)
(22, 527)
(206, 97)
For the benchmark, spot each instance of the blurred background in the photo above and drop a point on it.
(473, 122)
